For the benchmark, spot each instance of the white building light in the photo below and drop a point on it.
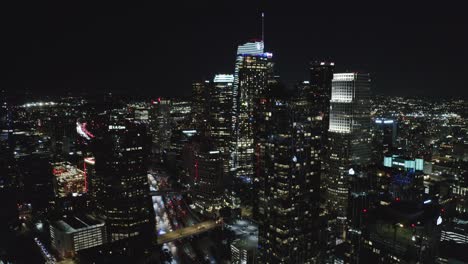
(223, 78)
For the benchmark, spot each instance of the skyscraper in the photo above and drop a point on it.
(318, 93)
(200, 106)
(121, 160)
(160, 125)
(204, 165)
(349, 140)
(220, 119)
(384, 136)
(321, 75)
(180, 114)
(289, 199)
(252, 70)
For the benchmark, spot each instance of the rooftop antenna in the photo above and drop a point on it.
(263, 28)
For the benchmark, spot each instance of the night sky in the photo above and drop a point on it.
(56, 48)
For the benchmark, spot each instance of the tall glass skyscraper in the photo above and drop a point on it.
(199, 107)
(220, 119)
(121, 162)
(349, 140)
(160, 121)
(288, 199)
(252, 70)
(318, 94)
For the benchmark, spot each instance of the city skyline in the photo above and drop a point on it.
(80, 49)
(217, 134)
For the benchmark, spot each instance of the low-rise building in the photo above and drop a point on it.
(74, 233)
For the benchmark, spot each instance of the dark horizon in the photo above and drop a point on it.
(151, 50)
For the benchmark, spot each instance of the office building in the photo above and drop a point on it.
(456, 230)
(386, 132)
(74, 233)
(348, 141)
(37, 178)
(289, 199)
(401, 232)
(395, 161)
(160, 125)
(244, 251)
(220, 118)
(361, 198)
(180, 114)
(174, 157)
(318, 93)
(68, 179)
(121, 153)
(205, 171)
(252, 71)
(200, 106)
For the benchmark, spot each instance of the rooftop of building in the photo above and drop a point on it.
(408, 212)
(72, 223)
(247, 233)
(247, 242)
(453, 252)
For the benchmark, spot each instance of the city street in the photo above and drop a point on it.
(176, 224)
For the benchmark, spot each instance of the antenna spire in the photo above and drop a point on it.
(263, 28)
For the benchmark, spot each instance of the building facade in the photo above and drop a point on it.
(74, 233)
(348, 141)
(220, 119)
(289, 199)
(160, 120)
(121, 154)
(318, 93)
(252, 71)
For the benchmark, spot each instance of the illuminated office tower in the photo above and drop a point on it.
(180, 114)
(121, 159)
(289, 201)
(275, 91)
(349, 140)
(220, 118)
(319, 94)
(384, 136)
(252, 70)
(307, 115)
(160, 125)
(321, 75)
(95, 185)
(204, 166)
(361, 197)
(199, 107)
